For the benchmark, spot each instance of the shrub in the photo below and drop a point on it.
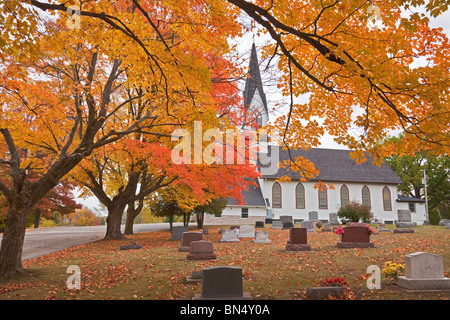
(354, 212)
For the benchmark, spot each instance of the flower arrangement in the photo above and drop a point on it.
(392, 270)
(370, 230)
(339, 230)
(334, 282)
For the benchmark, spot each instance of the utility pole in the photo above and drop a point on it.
(426, 194)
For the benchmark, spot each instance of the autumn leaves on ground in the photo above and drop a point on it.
(158, 270)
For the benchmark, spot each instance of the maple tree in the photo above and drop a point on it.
(62, 89)
(360, 79)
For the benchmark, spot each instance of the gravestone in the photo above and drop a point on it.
(313, 215)
(404, 219)
(308, 225)
(447, 226)
(261, 237)
(320, 293)
(333, 219)
(259, 224)
(403, 230)
(355, 236)
(246, 231)
(177, 232)
(196, 276)
(131, 246)
(187, 238)
(285, 219)
(276, 224)
(201, 250)
(205, 231)
(230, 235)
(444, 222)
(268, 220)
(298, 240)
(221, 283)
(326, 229)
(287, 225)
(424, 272)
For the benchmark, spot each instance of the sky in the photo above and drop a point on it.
(273, 96)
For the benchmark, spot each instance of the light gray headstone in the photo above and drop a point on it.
(261, 237)
(308, 225)
(424, 265)
(230, 235)
(404, 215)
(334, 219)
(277, 224)
(247, 231)
(313, 215)
(444, 222)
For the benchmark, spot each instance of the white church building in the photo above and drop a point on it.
(366, 183)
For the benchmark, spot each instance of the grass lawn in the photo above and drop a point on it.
(158, 270)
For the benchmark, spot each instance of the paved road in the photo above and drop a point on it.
(39, 242)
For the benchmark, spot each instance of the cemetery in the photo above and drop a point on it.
(291, 264)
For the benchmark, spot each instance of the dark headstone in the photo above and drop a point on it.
(177, 232)
(222, 283)
(268, 220)
(298, 240)
(319, 293)
(131, 246)
(287, 225)
(187, 238)
(196, 276)
(284, 219)
(355, 236)
(403, 230)
(201, 250)
(205, 231)
(259, 224)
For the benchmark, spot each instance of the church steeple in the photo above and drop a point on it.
(254, 96)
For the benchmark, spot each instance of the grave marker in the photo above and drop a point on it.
(187, 238)
(222, 282)
(201, 250)
(177, 232)
(298, 240)
(247, 231)
(261, 237)
(355, 236)
(230, 235)
(424, 272)
(276, 224)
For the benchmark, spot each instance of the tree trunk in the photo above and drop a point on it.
(13, 237)
(200, 218)
(114, 221)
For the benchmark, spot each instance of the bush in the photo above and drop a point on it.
(354, 212)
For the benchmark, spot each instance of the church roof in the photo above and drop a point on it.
(254, 81)
(252, 197)
(337, 165)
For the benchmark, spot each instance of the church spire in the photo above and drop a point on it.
(253, 82)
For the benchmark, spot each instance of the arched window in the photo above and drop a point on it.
(276, 195)
(366, 196)
(300, 196)
(345, 198)
(323, 201)
(387, 205)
